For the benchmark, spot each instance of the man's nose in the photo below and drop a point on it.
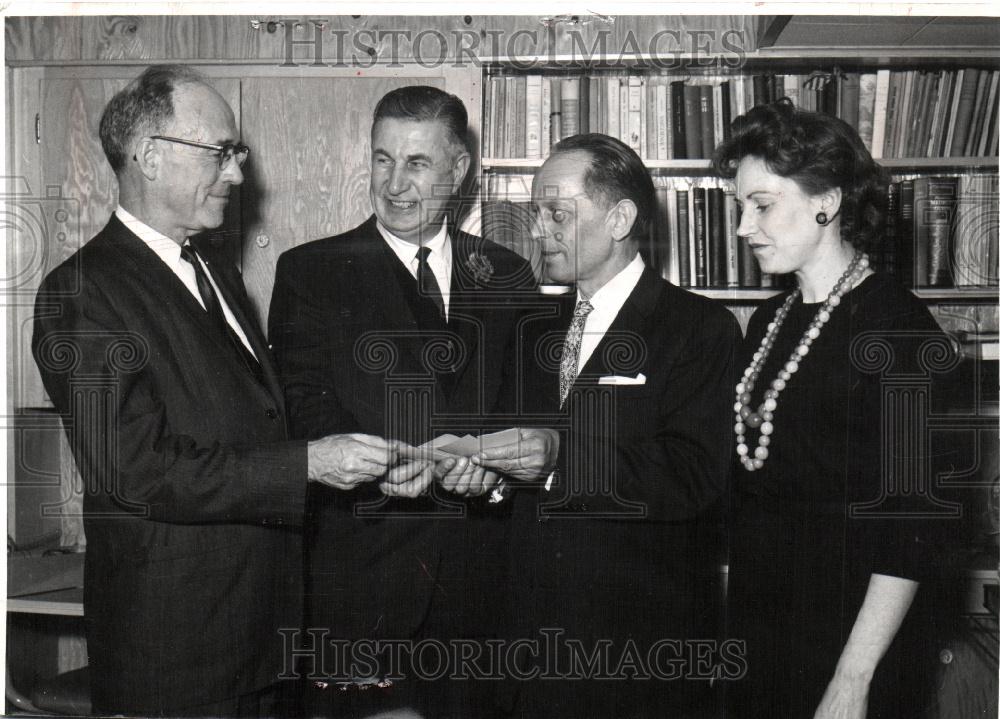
(233, 173)
(398, 180)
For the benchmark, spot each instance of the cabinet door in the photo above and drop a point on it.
(65, 189)
(308, 172)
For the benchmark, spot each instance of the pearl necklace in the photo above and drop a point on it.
(763, 417)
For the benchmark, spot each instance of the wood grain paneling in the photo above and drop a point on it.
(361, 40)
(306, 179)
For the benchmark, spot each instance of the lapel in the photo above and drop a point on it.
(463, 308)
(631, 325)
(225, 277)
(379, 286)
(160, 281)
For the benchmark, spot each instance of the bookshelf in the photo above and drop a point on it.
(910, 145)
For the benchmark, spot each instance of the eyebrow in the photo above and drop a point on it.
(409, 158)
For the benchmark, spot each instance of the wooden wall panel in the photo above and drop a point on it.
(305, 180)
(263, 37)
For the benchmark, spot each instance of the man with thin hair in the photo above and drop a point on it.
(605, 549)
(402, 327)
(148, 347)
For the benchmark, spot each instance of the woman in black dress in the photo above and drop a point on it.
(827, 550)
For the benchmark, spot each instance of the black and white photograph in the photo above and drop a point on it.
(613, 361)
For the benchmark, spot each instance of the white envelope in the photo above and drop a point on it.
(618, 380)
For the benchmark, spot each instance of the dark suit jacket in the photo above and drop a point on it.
(354, 358)
(610, 552)
(192, 488)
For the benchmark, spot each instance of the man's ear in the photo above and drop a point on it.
(460, 169)
(621, 218)
(148, 158)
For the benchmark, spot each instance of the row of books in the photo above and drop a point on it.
(907, 113)
(941, 231)
(945, 231)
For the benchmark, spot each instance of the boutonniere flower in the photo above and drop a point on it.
(480, 267)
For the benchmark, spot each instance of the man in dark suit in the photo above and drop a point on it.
(401, 327)
(605, 552)
(147, 345)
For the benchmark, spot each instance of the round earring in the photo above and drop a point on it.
(822, 219)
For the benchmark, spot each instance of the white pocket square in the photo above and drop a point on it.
(616, 379)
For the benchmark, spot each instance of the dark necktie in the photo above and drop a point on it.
(214, 310)
(427, 282)
(571, 349)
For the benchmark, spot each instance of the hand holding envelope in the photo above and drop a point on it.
(529, 453)
(452, 468)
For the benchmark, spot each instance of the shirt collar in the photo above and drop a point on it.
(615, 291)
(439, 245)
(162, 245)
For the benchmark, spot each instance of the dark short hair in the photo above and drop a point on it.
(422, 103)
(145, 105)
(819, 152)
(615, 173)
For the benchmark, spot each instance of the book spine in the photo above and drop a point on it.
(896, 81)
(649, 117)
(555, 123)
(674, 265)
(963, 112)
(851, 100)
(707, 120)
(716, 241)
(614, 108)
(989, 114)
(732, 223)
(905, 258)
(678, 115)
(866, 107)
(700, 211)
(570, 106)
(533, 123)
(635, 114)
(520, 115)
(937, 219)
(683, 239)
(791, 83)
(546, 115)
(726, 107)
(692, 121)
(488, 100)
(887, 254)
(662, 123)
(660, 259)
(940, 101)
(978, 114)
(718, 116)
(583, 111)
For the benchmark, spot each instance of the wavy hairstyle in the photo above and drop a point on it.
(819, 152)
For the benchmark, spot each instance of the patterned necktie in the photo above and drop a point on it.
(427, 282)
(571, 349)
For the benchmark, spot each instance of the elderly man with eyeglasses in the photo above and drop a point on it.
(194, 493)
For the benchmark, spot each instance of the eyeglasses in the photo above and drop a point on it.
(225, 153)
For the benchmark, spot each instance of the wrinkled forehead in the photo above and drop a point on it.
(562, 176)
(202, 113)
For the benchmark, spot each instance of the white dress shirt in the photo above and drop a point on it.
(439, 259)
(607, 302)
(170, 252)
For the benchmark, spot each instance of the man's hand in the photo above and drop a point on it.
(532, 455)
(409, 479)
(343, 461)
(460, 476)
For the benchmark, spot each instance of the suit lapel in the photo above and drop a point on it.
(224, 275)
(464, 313)
(631, 326)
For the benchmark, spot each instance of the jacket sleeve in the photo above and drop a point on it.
(96, 369)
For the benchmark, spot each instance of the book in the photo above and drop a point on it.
(635, 92)
(902, 122)
(533, 120)
(613, 86)
(569, 105)
(718, 127)
(893, 101)
(866, 107)
(706, 108)
(692, 121)
(732, 223)
(555, 117)
(677, 115)
(699, 212)
(941, 104)
(976, 121)
(879, 113)
(849, 99)
(520, 113)
(934, 201)
(649, 117)
(904, 232)
(716, 237)
(791, 83)
(989, 115)
(683, 239)
(956, 94)
(887, 261)
(725, 107)
(963, 111)
(674, 265)
(749, 269)
(659, 255)
(921, 83)
(546, 116)
(662, 124)
(974, 245)
(489, 103)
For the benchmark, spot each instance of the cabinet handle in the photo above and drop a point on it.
(38, 128)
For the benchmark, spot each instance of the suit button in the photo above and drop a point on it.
(271, 413)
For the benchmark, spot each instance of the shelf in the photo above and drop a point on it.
(704, 166)
(958, 294)
(735, 294)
